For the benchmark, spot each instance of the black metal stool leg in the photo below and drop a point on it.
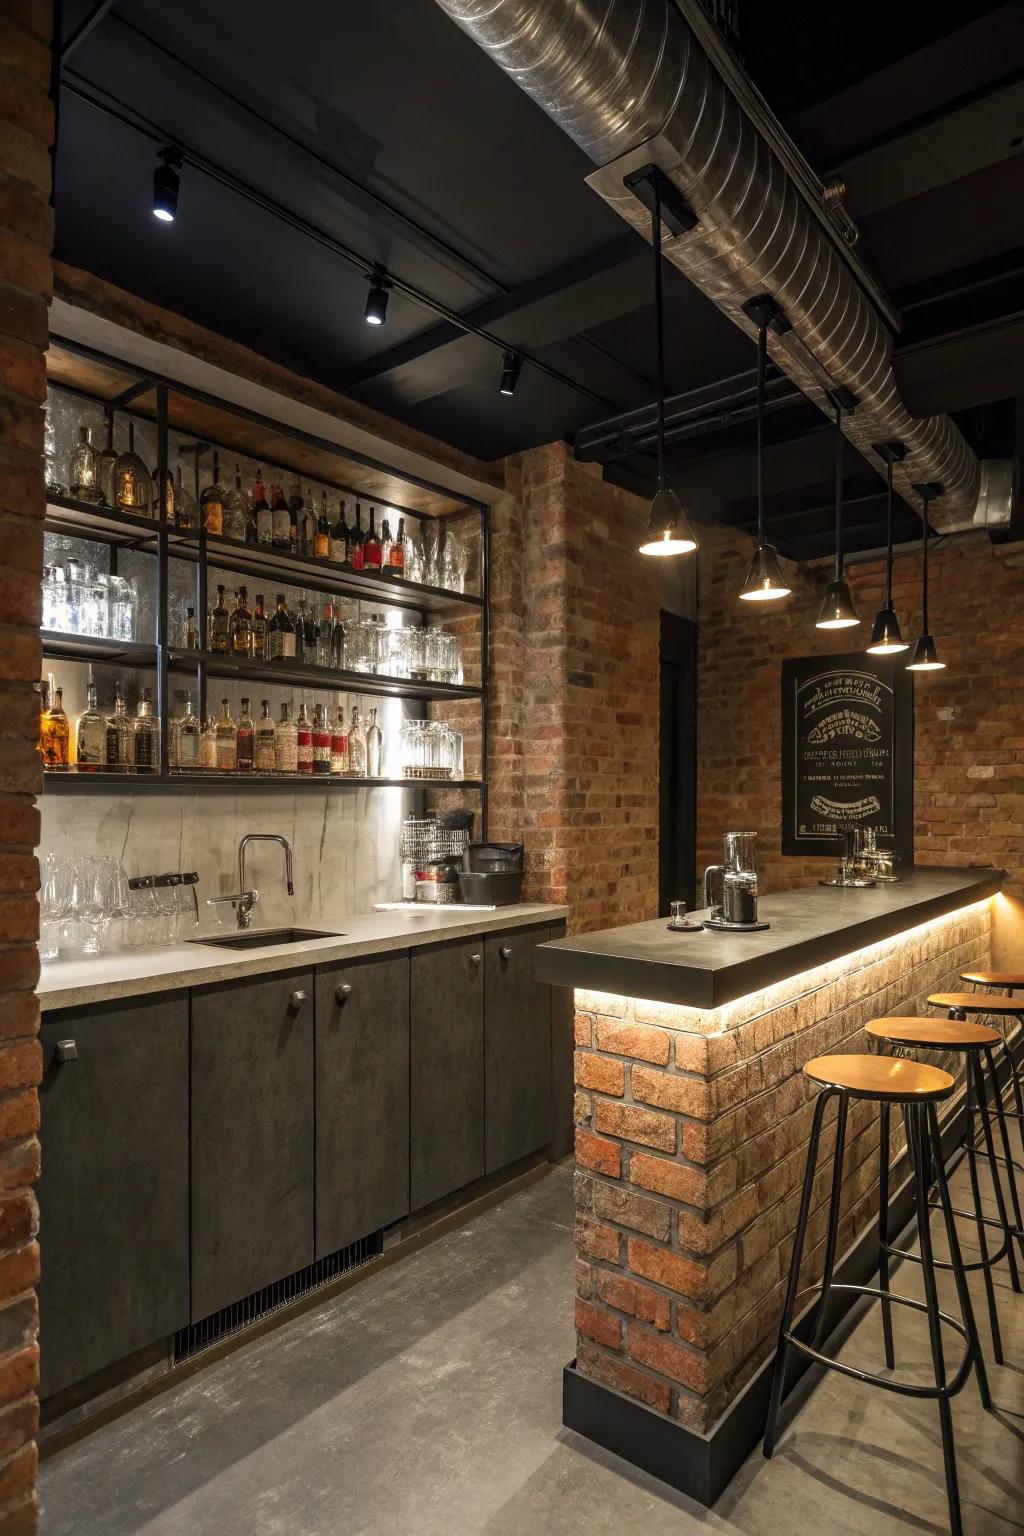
(972, 1168)
(883, 1233)
(957, 1262)
(1004, 1137)
(934, 1324)
(779, 1372)
(832, 1240)
(990, 1152)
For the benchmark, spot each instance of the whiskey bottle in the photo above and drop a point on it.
(286, 744)
(259, 630)
(307, 527)
(339, 742)
(311, 636)
(236, 511)
(322, 548)
(264, 760)
(372, 553)
(208, 744)
(220, 626)
(84, 469)
(226, 735)
(303, 742)
(281, 633)
(55, 732)
(281, 519)
(340, 537)
(133, 485)
(91, 736)
(211, 502)
(325, 638)
(240, 626)
(396, 553)
(261, 511)
(120, 748)
(191, 630)
(187, 738)
(356, 542)
(245, 741)
(300, 636)
(321, 741)
(146, 736)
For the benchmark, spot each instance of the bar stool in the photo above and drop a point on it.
(917, 1088)
(1005, 982)
(970, 1040)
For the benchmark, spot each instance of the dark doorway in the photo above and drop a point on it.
(678, 794)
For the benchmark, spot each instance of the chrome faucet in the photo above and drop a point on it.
(243, 900)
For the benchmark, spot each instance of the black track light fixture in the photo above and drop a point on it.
(668, 532)
(166, 185)
(837, 610)
(765, 582)
(511, 368)
(886, 637)
(926, 656)
(376, 311)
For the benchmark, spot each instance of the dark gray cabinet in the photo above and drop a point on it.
(517, 1048)
(362, 1099)
(447, 1068)
(252, 1136)
(113, 1194)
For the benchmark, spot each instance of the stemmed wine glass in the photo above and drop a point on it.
(56, 891)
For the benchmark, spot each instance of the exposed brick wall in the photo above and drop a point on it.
(691, 1141)
(969, 719)
(26, 125)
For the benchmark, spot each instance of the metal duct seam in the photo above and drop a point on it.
(632, 84)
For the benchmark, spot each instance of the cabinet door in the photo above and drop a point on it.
(562, 1071)
(447, 1053)
(113, 1193)
(362, 1099)
(252, 1136)
(517, 1048)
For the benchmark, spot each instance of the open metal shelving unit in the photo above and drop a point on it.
(118, 388)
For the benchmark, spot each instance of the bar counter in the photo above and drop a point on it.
(692, 1119)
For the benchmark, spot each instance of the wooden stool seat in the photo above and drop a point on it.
(934, 1034)
(884, 1078)
(977, 1002)
(994, 978)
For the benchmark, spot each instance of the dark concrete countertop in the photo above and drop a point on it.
(809, 927)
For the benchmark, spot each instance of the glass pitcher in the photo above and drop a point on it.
(730, 889)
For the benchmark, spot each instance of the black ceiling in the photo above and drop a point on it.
(384, 128)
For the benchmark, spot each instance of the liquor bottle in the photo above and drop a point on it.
(286, 744)
(339, 644)
(226, 734)
(163, 494)
(356, 542)
(191, 630)
(146, 736)
(186, 513)
(300, 636)
(220, 626)
(211, 502)
(240, 626)
(120, 750)
(105, 465)
(374, 747)
(386, 542)
(304, 742)
(83, 471)
(322, 548)
(295, 518)
(187, 738)
(341, 535)
(261, 511)
(259, 630)
(235, 515)
(373, 555)
(325, 638)
(356, 746)
(311, 636)
(396, 554)
(281, 519)
(281, 633)
(245, 741)
(321, 741)
(208, 744)
(263, 741)
(307, 527)
(55, 730)
(91, 736)
(339, 742)
(133, 486)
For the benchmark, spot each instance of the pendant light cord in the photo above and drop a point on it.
(924, 568)
(888, 550)
(839, 492)
(660, 323)
(762, 366)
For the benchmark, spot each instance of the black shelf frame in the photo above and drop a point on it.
(120, 529)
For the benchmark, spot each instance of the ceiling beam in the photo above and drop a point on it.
(89, 22)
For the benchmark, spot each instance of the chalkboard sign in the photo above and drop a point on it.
(847, 752)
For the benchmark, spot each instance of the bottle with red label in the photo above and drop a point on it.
(373, 554)
(358, 539)
(321, 741)
(339, 743)
(304, 741)
(396, 552)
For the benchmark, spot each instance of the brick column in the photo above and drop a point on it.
(26, 126)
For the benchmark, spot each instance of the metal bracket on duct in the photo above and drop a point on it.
(634, 84)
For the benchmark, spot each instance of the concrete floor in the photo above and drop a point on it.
(428, 1399)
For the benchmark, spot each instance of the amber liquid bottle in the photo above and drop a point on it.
(259, 629)
(245, 740)
(373, 555)
(356, 545)
(55, 729)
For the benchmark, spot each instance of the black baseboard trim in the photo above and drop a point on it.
(703, 1465)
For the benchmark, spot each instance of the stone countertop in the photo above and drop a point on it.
(126, 973)
(809, 927)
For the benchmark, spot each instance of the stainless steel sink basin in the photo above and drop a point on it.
(263, 938)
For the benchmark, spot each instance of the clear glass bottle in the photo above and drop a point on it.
(187, 737)
(191, 630)
(211, 502)
(374, 747)
(263, 753)
(261, 511)
(208, 744)
(259, 629)
(146, 736)
(106, 464)
(286, 744)
(55, 729)
(282, 635)
(304, 741)
(220, 626)
(235, 511)
(300, 636)
(120, 748)
(281, 519)
(310, 636)
(339, 742)
(325, 638)
(245, 741)
(356, 746)
(133, 484)
(83, 470)
(91, 736)
(321, 741)
(322, 548)
(240, 626)
(186, 513)
(226, 733)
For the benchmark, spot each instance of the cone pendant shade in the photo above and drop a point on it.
(886, 635)
(765, 581)
(925, 657)
(837, 610)
(668, 532)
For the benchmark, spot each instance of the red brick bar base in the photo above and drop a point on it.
(691, 1137)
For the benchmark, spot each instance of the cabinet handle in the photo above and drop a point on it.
(296, 1000)
(67, 1050)
(342, 993)
(505, 951)
(476, 959)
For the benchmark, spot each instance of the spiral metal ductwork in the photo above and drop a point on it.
(632, 82)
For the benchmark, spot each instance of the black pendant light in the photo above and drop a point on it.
(668, 532)
(886, 637)
(837, 610)
(166, 185)
(765, 581)
(926, 656)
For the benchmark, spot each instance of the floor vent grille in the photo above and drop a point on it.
(242, 1314)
